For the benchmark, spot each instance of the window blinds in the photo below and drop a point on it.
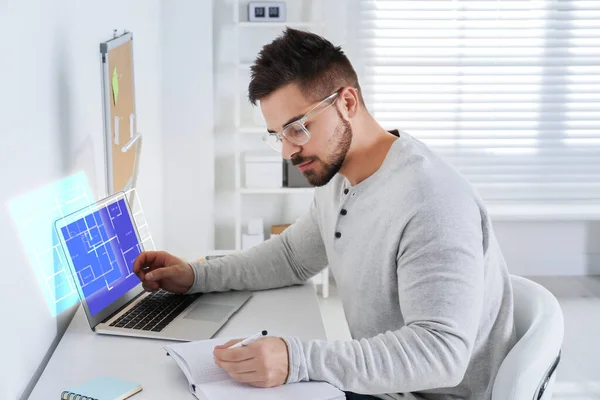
(506, 91)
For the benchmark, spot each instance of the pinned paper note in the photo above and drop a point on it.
(115, 85)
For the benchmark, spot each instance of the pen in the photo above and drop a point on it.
(249, 340)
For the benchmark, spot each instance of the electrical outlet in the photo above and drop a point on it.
(266, 11)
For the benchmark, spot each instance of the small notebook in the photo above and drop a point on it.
(102, 388)
(208, 381)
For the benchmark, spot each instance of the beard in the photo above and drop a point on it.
(339, 145)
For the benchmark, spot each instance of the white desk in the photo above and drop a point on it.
(83, 354)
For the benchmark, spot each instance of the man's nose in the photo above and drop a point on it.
(289, 149)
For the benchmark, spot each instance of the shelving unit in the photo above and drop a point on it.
(251, 130)
(245, 130)
(282, 190)
(280, 25)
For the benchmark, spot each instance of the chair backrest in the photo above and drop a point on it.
(540, 328)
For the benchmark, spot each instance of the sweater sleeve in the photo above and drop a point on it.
(440, 274)
(287, 259)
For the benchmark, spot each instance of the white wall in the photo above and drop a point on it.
(187, 125)
(555, 248)
(51, 126)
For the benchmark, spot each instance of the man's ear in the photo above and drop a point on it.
(349, 101)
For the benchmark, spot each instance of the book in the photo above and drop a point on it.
(102, 388)
(207, 381)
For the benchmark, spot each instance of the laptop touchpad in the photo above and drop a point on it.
(209, 312)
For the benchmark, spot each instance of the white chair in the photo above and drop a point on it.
(528, 371)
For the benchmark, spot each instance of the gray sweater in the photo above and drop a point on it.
(424, 286)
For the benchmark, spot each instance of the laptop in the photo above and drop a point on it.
(101, 243)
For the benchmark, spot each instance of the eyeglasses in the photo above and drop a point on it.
(296, 132)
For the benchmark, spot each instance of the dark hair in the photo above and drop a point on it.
(313, 63)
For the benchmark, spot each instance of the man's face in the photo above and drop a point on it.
(330, 135)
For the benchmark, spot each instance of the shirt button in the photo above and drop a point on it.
(338, 235)
(344, 211)
(346, 191)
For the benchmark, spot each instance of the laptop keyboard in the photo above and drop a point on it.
(155, 311)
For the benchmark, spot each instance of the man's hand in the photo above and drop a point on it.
(263, 363)
(161, 270)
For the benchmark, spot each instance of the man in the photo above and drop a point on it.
(423, 282)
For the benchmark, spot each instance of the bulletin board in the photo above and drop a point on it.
(122, 141)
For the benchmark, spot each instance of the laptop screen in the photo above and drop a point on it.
(103, 246)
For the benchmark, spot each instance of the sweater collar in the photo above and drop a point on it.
(384, 169)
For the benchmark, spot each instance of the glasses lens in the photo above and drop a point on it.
(273, 141)
(296, 134)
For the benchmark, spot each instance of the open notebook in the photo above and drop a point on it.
(208, 381)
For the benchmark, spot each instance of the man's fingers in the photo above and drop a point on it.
(147, 257)
(261, 384)
(241, 367)
(150, 286)
(151, 260)
(233, 355)
(250, 377)
(160, 273)
(228, 344)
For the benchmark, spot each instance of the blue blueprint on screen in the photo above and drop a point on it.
(103, 246)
